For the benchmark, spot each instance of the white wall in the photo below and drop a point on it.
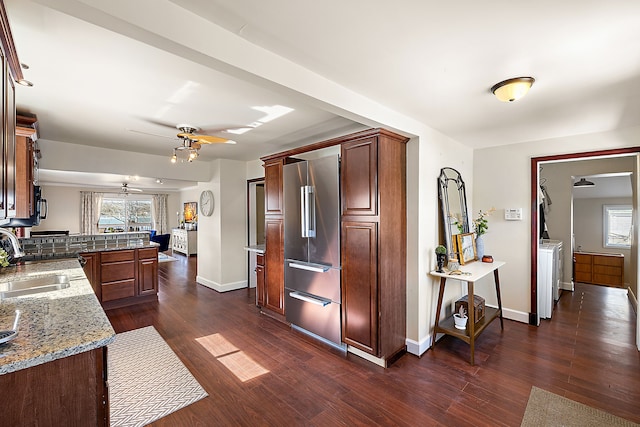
(502, 179)
(64, 208)
(222, 260)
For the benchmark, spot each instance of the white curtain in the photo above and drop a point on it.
(90, 205)
(160, 223)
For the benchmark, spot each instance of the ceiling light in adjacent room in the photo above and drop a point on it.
(584, 183)
(512, 89)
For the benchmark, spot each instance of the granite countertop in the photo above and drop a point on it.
(54, 324)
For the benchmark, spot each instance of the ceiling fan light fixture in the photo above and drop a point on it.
(512, 89)
(584, 183)
(174, 158)
(25, 82)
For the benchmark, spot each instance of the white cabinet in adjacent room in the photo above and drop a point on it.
(550, 272)
(184, 241)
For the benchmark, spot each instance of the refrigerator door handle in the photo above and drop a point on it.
(307, 211)
(312, 300)
(303, 212)
(311, 212)
(307, 267)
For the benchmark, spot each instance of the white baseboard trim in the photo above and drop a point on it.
(634, 300)
(219, 287)
(518, 316)
(417, 348)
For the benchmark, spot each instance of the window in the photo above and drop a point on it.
(125, 214)
(617, 226)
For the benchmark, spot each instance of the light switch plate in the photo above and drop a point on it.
(513, 214)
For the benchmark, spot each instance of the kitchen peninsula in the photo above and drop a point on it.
(55, 369)
(121, 267)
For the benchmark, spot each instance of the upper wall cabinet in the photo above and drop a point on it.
(273, 187)
(359, 177)
(11, 72)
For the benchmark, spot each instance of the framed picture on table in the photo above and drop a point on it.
(466, 247)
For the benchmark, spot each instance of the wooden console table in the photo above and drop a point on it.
(476, 271)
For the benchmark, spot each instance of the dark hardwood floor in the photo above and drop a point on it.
(586, 353)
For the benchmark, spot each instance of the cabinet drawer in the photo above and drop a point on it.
(605, 279)
(586, 268)
(147, 253)
(115, 256)
(117, 290)
(260, 259)
(117, 271)
(608, 260)
(607, 270)
(582, 259)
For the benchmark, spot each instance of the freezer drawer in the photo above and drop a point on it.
(314, 279)
(316, 315)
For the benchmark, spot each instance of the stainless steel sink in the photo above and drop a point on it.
(36, 285)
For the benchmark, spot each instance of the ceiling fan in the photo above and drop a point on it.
(125, 189)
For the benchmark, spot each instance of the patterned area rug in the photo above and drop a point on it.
(146, 379)
(549, 409)
(165, 258)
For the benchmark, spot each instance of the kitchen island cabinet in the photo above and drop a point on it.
(124, 277)
(54, 371)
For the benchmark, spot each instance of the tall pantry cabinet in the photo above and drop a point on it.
(373, 244)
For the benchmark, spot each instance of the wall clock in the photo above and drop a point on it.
(206, 202)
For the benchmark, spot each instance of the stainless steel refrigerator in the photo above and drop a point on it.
(312, 247)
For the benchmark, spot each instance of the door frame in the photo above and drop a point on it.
(535, 163)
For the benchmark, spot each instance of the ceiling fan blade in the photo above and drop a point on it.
(209, 139)
(158, 122)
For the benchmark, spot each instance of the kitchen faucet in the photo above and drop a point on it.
(17, 250)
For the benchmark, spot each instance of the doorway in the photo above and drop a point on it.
(538, 162)
(255, 224)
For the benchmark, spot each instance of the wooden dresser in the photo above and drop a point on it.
(599, 269)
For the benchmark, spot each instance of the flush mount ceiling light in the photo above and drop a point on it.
(584, 183)
(512, 89)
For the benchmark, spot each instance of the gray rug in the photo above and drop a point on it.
(548, 409)
(147, 381)
(165, 258)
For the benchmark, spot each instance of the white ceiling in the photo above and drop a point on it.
(431, 61)
(614, 185)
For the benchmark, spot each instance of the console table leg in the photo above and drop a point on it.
(496, 278)
(440, 297)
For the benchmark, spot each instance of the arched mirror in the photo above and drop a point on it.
(453, 201)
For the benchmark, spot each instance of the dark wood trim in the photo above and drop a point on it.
(535, 164)
(335, 141)
(8, 46)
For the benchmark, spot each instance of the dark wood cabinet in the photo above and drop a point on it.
(360, 298)
(147, 271)
(70, 391)
(123, 277)
(274, 265)
(92, 271)
(359, 177)
(273, 202)
(260, 278)
(373, 187)
(25, 203)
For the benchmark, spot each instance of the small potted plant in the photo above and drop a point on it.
(441, 256)
(460, 318)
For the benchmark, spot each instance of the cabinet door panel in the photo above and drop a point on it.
(274, 268)
(260, 285)
(359, 285)
(273, 188)
(91, 270)
(147, 276)
(359, 177)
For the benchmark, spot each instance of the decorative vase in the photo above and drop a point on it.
(453, 264)
(441, 258)
(480, 247)
(460, 321)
